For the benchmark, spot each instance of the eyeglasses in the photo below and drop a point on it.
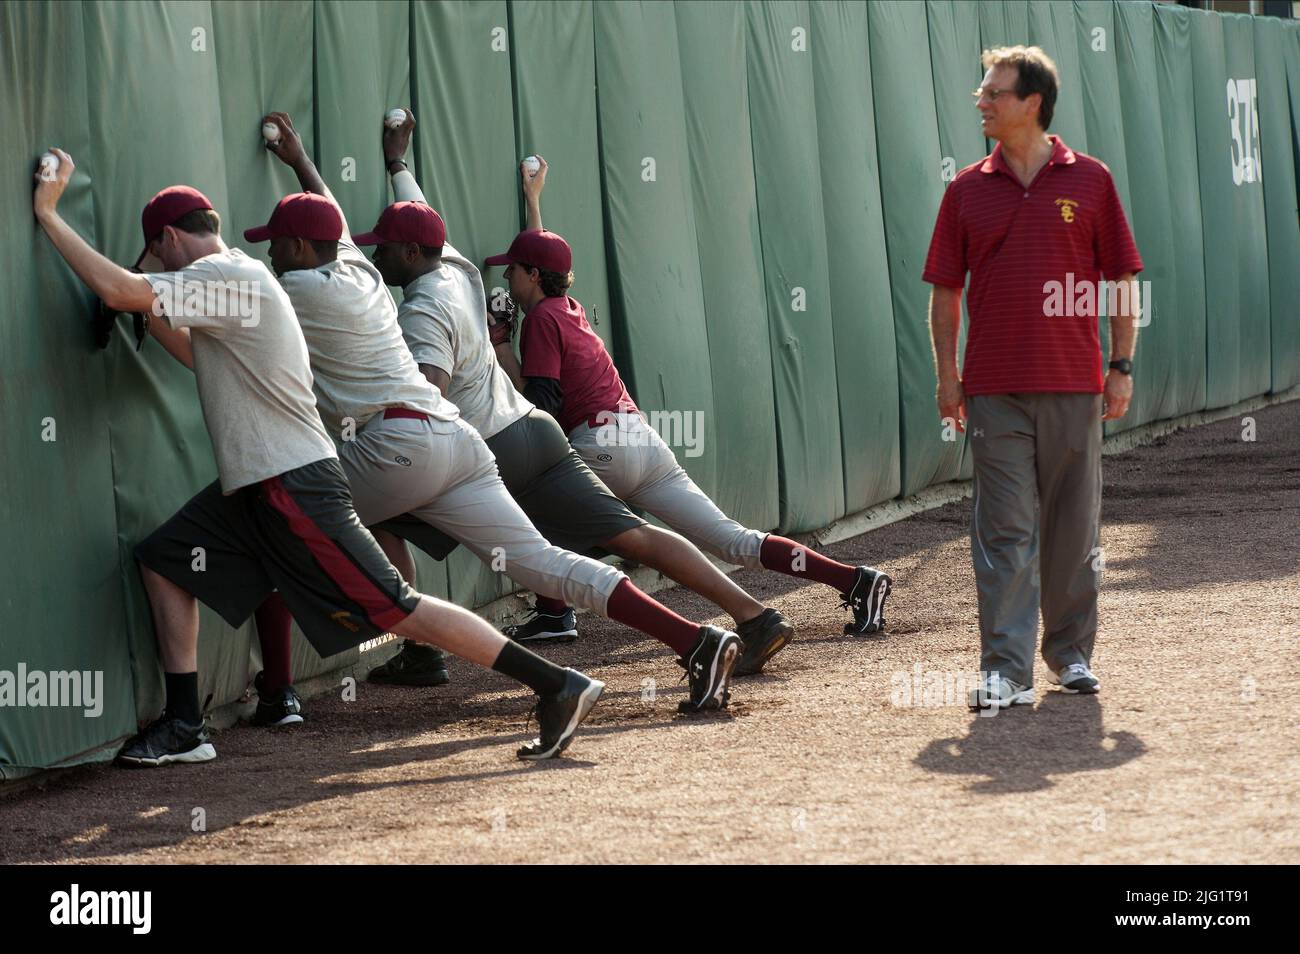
(991, 93)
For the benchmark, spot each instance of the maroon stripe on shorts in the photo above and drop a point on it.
(380, 607)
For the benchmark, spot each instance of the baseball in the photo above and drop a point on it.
(395, 118)
(49, 165)
(270, 132)
(531, 166)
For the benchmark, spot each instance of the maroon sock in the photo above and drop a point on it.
(784, 555)
(631, 607)
(273, 622)
(549, 605)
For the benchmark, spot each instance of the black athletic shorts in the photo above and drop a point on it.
(296, 533)
(569, 505)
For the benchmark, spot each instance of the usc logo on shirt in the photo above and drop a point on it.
(1067, 208)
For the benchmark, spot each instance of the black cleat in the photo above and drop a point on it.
(167, 739)
(414, 665)
(708, 667)
(559, 716)
(282, 707)
(764, 636)
(867, 600)
(545, 628)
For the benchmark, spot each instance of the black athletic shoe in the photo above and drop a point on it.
(545, 628)
(276, 708)
(708, 667)
(414, 665)
(167, 739)
(559, 716)
(764, 636)
(867, 600)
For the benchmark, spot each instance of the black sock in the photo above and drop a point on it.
(183, 696)
(544, 678)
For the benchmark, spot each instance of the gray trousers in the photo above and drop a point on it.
(1035, 527)
(634, 462)
(443, 474)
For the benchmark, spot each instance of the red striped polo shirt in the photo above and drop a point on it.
(1069, 228)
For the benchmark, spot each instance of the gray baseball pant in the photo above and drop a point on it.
(1035, 527)
(443, 473)
(634, 462)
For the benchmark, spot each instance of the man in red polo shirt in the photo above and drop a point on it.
(1033, 218)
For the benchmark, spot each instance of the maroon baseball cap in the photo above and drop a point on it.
(165, 208)
(539, 248)
(303, 215)
(407, 222)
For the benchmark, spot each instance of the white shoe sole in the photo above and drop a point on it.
(585, 702)
(1056, 680)
(1023, 698)
(566, 635)
(202, 753)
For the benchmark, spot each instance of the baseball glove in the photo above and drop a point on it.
(105, 319)
(501, 319)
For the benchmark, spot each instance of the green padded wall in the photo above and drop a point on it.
(711, 47)
(766, 275)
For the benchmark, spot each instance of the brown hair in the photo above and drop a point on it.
(1037, 74)
(552, 284)
(199, 222)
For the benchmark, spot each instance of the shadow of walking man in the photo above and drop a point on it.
(1018, 750)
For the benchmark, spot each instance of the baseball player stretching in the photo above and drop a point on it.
(412, 455)
(567, 372)
(444, 319)
(280, 515)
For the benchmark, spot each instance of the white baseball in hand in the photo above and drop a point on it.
(532, 165)
(395, 118)
(270, 132)
(49, 166)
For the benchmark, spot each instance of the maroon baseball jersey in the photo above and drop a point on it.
(1068, 227)
(556, 342)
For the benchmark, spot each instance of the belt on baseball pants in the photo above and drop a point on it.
(392, 412)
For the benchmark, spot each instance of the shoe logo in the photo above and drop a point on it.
(344, 619)
(404, 461)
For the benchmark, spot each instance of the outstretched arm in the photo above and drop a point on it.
(116, 287)
(289, 150)
(533, 186)
(395, 142)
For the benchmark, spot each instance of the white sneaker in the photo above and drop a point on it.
(994, 692)
(1077, 677)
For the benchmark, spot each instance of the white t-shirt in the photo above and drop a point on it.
(360, 363)
(250, 360)
(444, 320)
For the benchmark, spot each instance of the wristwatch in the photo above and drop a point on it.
(1122, 365)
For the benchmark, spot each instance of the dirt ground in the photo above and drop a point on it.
(1188, 755)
